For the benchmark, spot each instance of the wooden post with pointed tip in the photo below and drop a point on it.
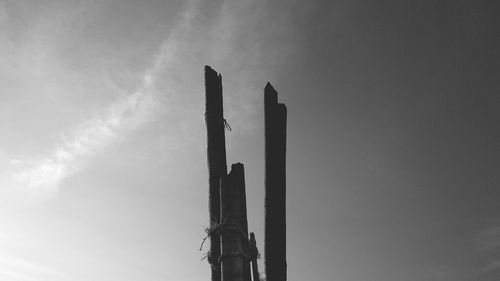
(275, 186)
(216, 156)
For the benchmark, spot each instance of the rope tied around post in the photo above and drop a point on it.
(250, 251)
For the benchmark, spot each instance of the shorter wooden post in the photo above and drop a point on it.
(254, 253)
(233, 257)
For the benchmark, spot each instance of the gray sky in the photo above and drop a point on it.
(393, 136)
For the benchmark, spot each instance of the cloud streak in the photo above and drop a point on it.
(489, 241)
(46, 174)
(23, 270)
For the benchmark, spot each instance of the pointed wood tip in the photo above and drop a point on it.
(269, 86)
(270, 94)
(210, 70)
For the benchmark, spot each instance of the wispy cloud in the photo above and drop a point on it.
(491, 267)
(46, 174)
(70, 156)
(17, 269)
(490, 238)
(489, 241)
(441, 273)
(3, 14)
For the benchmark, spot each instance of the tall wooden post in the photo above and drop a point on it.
(247, 274)
(216, 155)
(275, 186)
(253, 255)
(233, 257)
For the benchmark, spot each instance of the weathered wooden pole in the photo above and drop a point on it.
(233, 256)
(253, 255)
(275, 186)
(216, 155)
(247, 274)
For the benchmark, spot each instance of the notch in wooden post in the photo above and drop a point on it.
(233, 238)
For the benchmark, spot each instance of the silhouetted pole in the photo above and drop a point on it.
(275, 186)
(233, 257)
(253, 255)
(247, 274)
(216, 155)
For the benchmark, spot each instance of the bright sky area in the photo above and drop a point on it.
(393, 136)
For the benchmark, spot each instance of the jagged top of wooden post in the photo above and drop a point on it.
(213, 92)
